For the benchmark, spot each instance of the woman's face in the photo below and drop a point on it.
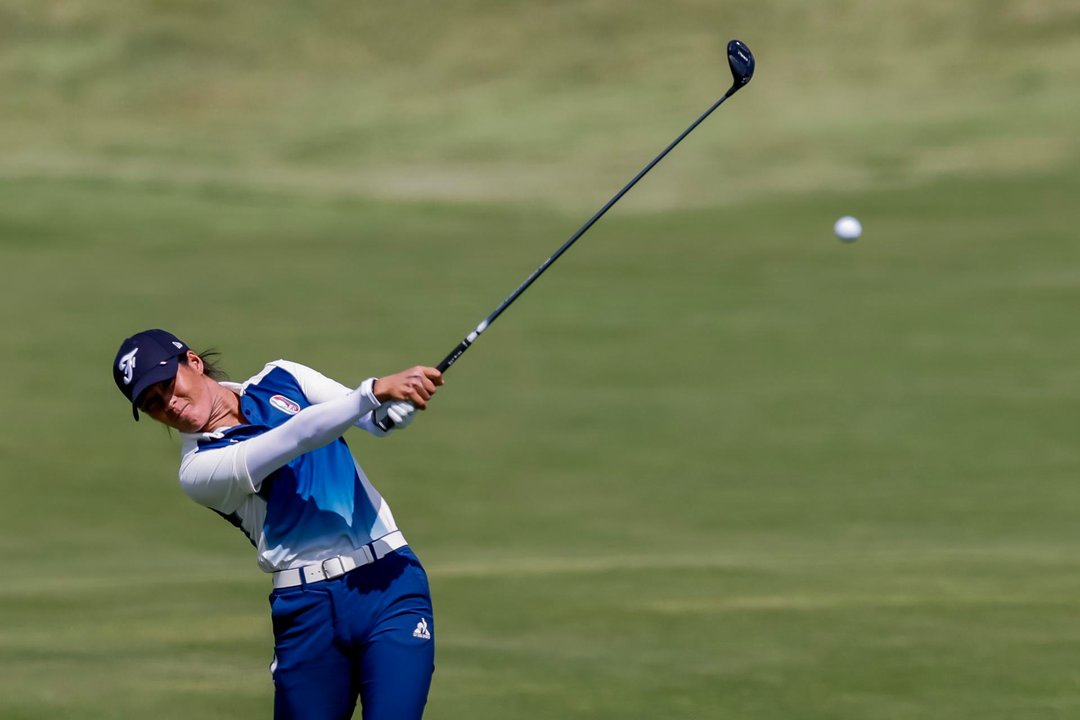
(185, 402)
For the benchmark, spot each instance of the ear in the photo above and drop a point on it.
(194, 362)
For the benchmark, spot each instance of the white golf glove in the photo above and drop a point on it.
(398, 412)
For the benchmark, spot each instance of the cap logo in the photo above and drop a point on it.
(127, 366)
(179, 346)
(285, 405)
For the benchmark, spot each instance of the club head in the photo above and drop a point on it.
(741, 61)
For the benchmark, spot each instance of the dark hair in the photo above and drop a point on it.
(210, 367)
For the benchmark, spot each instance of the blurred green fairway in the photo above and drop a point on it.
(714, 465)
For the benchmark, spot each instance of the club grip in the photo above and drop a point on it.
(453, 356)
(386, 424)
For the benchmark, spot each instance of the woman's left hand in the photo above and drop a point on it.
(396, 415)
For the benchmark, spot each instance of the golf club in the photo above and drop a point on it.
(741, 62)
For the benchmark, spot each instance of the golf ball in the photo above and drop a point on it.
(848, 228)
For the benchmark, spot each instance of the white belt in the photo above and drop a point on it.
(338, 565)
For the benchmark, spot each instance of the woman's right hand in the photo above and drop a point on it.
(415, 385)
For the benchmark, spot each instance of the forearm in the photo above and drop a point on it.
(318, 389)
(220, 477)
(309, 429)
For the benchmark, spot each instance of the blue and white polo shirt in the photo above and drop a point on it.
(316, 505)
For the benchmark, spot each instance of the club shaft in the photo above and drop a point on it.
(469, 339)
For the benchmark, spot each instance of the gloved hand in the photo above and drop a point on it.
(396, 415)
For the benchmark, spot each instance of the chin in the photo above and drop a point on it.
(198, 426)
(190, 424)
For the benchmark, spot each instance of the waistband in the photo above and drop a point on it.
(338, 565)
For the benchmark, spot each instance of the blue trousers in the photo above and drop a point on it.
(369, 634)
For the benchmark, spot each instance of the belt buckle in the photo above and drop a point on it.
(333, 567)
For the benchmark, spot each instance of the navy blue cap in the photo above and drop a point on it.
(145, 358)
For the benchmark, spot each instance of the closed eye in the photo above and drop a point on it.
(152, 399)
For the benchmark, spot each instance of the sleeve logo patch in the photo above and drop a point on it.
(285, 405)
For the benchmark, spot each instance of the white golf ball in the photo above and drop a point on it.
(848, 228)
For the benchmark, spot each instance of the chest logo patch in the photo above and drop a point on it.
(285, 405)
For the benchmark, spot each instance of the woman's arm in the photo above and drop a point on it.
(318, 388)
(221, 477)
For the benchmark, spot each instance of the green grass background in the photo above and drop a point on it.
(714, 465)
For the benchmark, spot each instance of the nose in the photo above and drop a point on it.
(172, 407)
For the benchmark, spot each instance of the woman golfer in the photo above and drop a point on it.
(351, 607)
